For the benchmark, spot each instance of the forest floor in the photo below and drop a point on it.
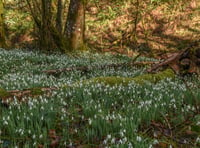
(122, 26)
(76, 114)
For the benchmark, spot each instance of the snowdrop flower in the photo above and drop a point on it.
(130, 145)
(113, 141)
(108, 136)
(155, 141)
(41, 136)
(89, 121)
(138, 138)
(198, 140)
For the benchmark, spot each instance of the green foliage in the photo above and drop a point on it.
(141, 79)
(4, 93)
(36, 91)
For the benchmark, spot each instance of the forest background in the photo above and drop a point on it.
(117, 26)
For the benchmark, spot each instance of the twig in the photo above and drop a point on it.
(168, 124)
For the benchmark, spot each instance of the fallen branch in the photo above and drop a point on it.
(8, 96)
(90, 68)
(182, 62)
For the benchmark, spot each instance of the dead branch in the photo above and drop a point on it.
(90, 68)
(20, 95)
(187, 60)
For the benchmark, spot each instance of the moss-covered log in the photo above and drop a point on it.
(141, 79)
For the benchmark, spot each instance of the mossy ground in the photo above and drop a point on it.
(141, 79)
(4, 93)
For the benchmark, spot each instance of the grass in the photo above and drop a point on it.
(95, 115)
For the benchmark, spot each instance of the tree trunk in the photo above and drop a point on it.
(2, 31)
(45, 36)
(75, 25)
(59, 16)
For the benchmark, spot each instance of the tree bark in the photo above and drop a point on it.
(45, 36)
(2, 31)
(59, 16)
(75, 25)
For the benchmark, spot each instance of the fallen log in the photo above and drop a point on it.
(90, 68)
(182, 62)
(8, 96)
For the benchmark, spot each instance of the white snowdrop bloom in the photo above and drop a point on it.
(62, 118)
(150, 146)
(42, 108)
(120, 141)
(82, 117)
(121, 134)
(113, 141)
(105, 142)
(34, 136)
(22, 132)
(138, 138)
(155, 141)
(41, 136)
(109, 136)
(130, 145)
(89, 121)
(5, 122)
(124, 140)
(198, 140)
(107, 118)
(76, 131)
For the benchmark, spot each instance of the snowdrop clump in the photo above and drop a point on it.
(99, 113)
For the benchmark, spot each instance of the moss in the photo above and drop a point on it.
(152, 78)
(4, 93)
(36, 91)
(113, 80)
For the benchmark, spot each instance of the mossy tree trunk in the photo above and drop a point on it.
(52, 33)
(75, 25)
(2, 31)
(45, 34)
(59, 16)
